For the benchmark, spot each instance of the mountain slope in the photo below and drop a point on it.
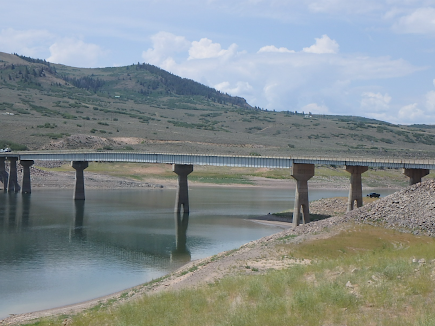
(142, 107)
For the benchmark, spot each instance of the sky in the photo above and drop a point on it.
(370, 58)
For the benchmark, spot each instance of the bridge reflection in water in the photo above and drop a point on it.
(302, 170)
(15, 218)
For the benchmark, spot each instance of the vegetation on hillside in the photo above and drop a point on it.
(146, 108)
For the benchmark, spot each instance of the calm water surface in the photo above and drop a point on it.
(54, 251)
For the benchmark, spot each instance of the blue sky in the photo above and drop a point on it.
(371, 58)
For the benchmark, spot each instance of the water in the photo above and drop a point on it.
(55, 251)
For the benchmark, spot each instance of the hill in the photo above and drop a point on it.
(142, 107)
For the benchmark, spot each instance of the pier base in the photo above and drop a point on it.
(182, 197)
(4, 177)
(26, 187)
(13, 185)
(79, 188)
(302, 173)
(355, 191)
(415, 175)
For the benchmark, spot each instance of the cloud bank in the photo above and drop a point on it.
(316, 78)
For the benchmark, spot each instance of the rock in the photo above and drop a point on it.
(349, 285)
(415, 214)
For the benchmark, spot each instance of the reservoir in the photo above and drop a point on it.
(55, 251)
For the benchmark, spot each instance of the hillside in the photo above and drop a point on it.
(142, 107)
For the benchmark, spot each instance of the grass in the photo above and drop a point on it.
(362, 276)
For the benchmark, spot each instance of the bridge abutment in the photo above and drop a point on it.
(26, 187)
(13, 185)
(182, 197)
(415, 175)
(4, 177)
(355, 191)
(302, 173)
(79, 188)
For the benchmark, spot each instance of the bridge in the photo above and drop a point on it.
(302, 169)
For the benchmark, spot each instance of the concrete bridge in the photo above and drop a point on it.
(302, 169)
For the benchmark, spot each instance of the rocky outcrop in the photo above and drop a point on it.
(410, 210)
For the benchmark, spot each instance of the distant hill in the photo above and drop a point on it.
(142, 107)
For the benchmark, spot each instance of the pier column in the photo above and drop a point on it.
(415, 175)
(182, 198)
(3, 174)
(79, 188)
(302, 173)
(26, 185)
(355, 191)
(13, 185)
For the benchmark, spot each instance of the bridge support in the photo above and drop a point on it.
(4, 177)
(26, 187)
(182, 198)
(13, 185)
(79, 188)
(355, 191)
(302, 173)
(415, 175)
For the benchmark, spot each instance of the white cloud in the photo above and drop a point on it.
(375, 101)
(205, 49)
(25, 42)
(273, 48)
(239, 89)
(287, 81)
(315, 109)
(411, 113)
(344, 6)
(75, 52)
(420, 21)
(323, 45)
(430, 101)
(165, 45)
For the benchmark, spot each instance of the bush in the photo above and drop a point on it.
(12, 146)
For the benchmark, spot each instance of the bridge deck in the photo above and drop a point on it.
(218, 160)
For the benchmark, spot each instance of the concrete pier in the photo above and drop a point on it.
(4, 177)
(13, 185)
(415, 175)
(79, 188)
(26, 187)
(182, 197)
(355, 191)
(302, 173)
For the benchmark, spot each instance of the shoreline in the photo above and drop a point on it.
(42, 179)
(203, 271)
(175, 280)
(98, 181)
